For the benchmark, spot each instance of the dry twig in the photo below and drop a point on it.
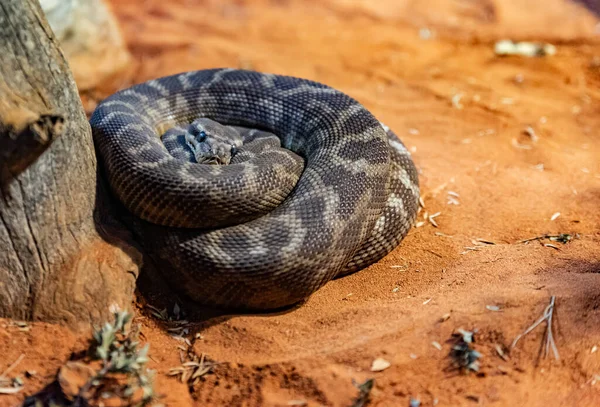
(190, 372)
(549, 342)
(10, 386)
(562, 238)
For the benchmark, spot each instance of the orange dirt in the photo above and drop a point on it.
(406, 61)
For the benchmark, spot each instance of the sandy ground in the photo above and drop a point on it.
(428, 70)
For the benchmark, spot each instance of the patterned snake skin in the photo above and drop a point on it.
(247, 235)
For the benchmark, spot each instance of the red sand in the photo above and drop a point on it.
(374, 52)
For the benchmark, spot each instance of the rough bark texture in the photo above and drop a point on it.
(57, 261)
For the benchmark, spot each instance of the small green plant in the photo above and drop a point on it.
(118, 350)
(112, 372)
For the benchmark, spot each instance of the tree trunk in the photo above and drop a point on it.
(63, 257)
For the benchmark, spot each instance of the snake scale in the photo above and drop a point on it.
(336, 194)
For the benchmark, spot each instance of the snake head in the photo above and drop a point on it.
(211, 142)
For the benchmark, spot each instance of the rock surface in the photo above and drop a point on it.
(90, 38)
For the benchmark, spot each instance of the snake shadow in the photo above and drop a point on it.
(153, 291)
(591, 5)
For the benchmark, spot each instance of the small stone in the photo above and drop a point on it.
(379, 365)
(425, 33)
(73, 376)
(299, 403)
(444, 317)
(414, 402)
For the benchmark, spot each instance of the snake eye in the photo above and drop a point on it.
(198, 135)
(234, 150)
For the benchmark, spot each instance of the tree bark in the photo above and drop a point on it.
(63, 257)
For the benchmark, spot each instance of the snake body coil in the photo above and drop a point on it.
(240, 235)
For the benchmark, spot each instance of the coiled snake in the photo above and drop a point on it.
(246, 234)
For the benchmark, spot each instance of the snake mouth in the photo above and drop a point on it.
(212, 161)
